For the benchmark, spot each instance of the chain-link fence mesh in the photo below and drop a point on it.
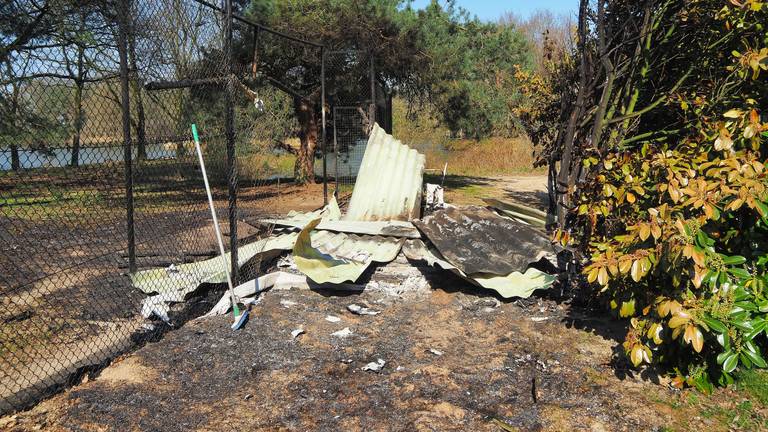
(357, 100)
(84, 215)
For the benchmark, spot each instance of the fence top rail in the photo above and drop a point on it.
(259, 26)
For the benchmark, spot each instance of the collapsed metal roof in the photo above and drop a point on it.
(489, 250)
(388, 186)
(477, 240)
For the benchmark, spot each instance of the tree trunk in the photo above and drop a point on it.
(308, 133)
(564, 176)
(15, 162)
(78, 124)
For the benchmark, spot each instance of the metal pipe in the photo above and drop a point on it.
(122, 47)
(322, 119)
(229, 125)
(335, 152)
(245, 20)
(185, 83)
(372, 114)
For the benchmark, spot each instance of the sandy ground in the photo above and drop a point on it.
(526, 189)
(455, 360)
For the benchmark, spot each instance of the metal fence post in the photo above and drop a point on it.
(335, 152)
(229, 120)
(322, 117)
(372, 114)
(122, 47)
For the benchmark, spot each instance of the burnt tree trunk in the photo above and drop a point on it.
(306, 114)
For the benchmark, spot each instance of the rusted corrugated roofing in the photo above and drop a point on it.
(389, 184)
(477, 240)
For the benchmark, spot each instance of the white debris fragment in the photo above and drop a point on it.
(252, 301)
(539, 319)
(399, 368)
(374, 366)
(155, 305)
(286, 262)
(333, 319)
(297, 332)
(172, 269)
(360, 310)
(434, 196)
(287, 303)
(435, 352)
(345, 332)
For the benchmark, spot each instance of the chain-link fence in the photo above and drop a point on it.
(99, 180)
(357, 100)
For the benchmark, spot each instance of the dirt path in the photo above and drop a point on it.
(526, 189)
(455, 360)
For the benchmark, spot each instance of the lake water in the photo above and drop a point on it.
(61, 157)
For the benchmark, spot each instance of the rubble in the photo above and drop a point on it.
(498, 250)
(360, 310)
(343, 333)
(376, 366)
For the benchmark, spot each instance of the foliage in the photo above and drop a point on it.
(673, 209)
(464, 68)
(470, 72)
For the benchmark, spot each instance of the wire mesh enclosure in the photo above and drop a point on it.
(357, 99)
(99, 181)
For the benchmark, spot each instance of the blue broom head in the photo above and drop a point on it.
(240, 320)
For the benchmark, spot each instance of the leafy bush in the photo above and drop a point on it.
(676, 228)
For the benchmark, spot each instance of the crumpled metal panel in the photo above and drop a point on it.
(356, 248)
(388, 186)
(380, 228)
(515, 284)
(327, 257)
(477, 240)
(174, 283)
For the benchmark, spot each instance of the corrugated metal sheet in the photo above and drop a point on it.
(477, 240)
(327, 257)
(382, 228)
(356, 248)
(389, 184)
(176, 282)
(515, 284)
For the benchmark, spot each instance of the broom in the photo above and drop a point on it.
(238, 317)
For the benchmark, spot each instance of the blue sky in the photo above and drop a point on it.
(490, 10)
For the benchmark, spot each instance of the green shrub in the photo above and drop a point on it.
(677, 230)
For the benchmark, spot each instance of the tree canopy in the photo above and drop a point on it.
(439, 55)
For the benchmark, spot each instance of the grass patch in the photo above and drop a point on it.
(755, 384)
(496, 156)
(255, 166)
(486, 158)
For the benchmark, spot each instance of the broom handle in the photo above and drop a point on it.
(235, 309)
